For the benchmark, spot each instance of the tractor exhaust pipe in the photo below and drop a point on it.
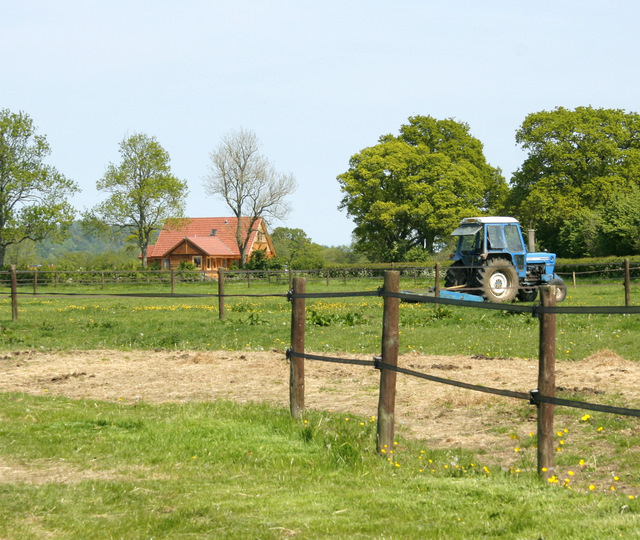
(531, 240)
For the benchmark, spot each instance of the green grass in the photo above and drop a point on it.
(86, 469)
(351, 325)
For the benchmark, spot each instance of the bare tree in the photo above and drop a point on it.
(248, 183)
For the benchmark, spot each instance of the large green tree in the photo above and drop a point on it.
(410, 191)
(33, 195)
(577, 161)
(143, 194)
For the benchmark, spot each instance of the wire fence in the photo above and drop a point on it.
(546, 310)
(542, 397)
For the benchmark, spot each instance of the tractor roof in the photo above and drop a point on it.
(488, 219)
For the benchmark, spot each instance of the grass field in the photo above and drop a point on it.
(256, 322)
(91, 469)
(84, 469)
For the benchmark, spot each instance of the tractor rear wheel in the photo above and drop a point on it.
(498, 280)
(456, 275)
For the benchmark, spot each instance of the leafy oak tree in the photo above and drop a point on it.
(577, 161)
(143, 192)
(33, 195)
(410, 191)
(248, 183)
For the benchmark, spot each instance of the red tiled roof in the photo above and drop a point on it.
(198, 231)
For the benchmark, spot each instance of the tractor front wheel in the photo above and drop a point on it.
(561, 289)
(498, 280)
(527, 295)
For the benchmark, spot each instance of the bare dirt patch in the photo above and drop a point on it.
(443, 415)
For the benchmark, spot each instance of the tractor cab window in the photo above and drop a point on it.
(470, 243)
(495, 238)
(470, 237)
(514, 240)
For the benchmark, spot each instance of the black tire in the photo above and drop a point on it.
(561, 289)
(456, 275)
(498, 280)
(527, 295)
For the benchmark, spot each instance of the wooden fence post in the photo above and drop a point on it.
(437, 283)
(173, 280)
(546, 382)
(221, 312)
(627, 283)
(14, 293)
(296, 365)
(390, 347)
(35, 281)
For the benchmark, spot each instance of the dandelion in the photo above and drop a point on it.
(516, 449)
(585, 417)
(581, 462)
(632, 497)
(600, 428)
(592, 487)
(486, 469)
(616, 478)
(571, 473)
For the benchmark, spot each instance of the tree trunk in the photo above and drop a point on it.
(143, 250)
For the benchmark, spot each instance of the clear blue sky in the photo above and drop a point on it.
(316, 81)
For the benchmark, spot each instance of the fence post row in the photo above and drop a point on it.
(390, 347)
(296, 364)
(221, 313)
(14, 293)
(627, 283)
(546, 383)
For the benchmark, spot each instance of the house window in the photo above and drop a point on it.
(166, 264)
(197, 261)
(208, 263)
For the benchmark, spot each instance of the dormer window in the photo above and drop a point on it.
(213, 232)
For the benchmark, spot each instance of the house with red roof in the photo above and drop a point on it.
(209, 243)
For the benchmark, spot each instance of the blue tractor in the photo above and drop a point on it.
(491, 260)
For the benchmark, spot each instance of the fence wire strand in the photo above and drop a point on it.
(533, 397)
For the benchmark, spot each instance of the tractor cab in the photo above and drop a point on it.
(482, 238)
